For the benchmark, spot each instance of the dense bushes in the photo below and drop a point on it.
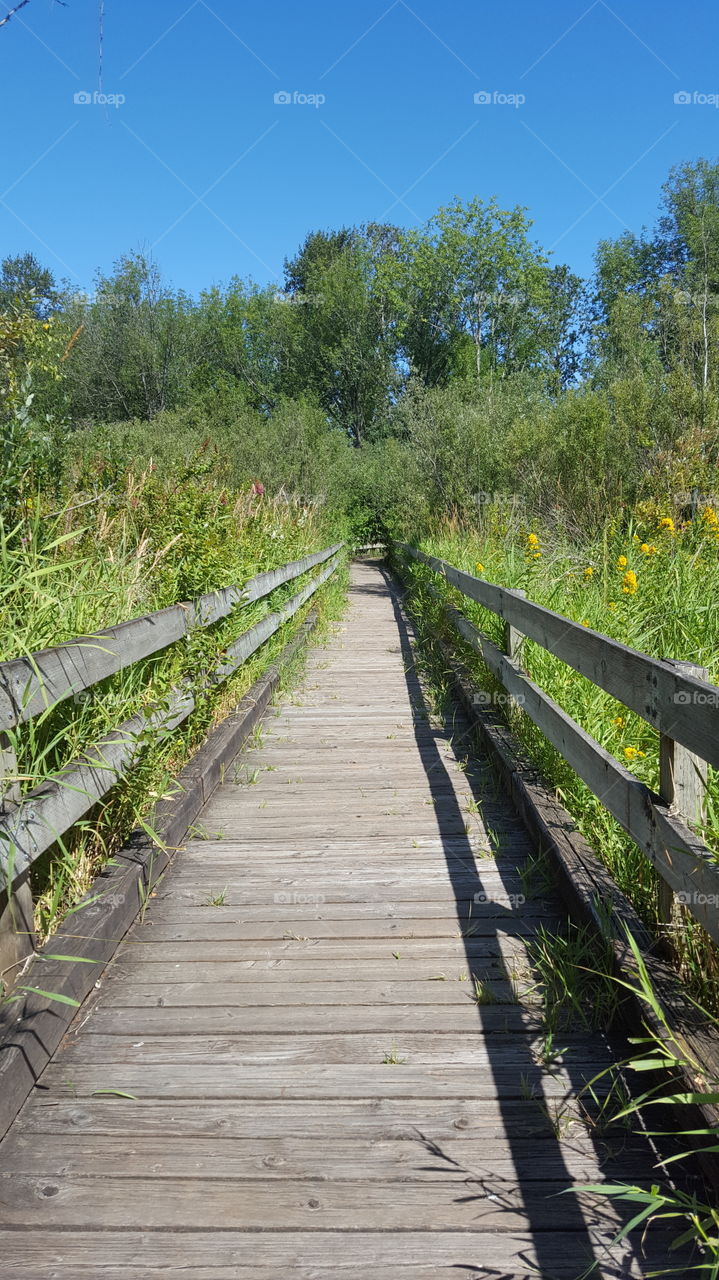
(398, 376)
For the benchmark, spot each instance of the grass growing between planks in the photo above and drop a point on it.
(85, 568)
(653, 586)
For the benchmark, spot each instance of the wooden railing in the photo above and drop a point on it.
(31, 823)
(671, 696)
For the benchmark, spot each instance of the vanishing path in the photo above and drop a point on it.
(316, 1091)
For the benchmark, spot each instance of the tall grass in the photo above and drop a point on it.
(148, 544)
(661, 1053)
(652, 585)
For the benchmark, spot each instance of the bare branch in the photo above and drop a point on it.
(21, 5)
(12, 12)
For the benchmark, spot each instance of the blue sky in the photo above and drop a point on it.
(203, 167)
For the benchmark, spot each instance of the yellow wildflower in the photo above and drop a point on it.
(585, 622)
(532, 540)
(619, 721)
(537, 555)
(667, 523)
(479, 567)
(622, 562)
(630, 582)
(710, 516)
(633, 753)
(589, 572)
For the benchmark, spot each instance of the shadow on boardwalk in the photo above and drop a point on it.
(524, 1076)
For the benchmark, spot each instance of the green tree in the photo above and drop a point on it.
(134, 353)
(342, 341)
(477, 298)
(24, 282)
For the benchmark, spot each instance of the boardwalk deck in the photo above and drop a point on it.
(314, 1091)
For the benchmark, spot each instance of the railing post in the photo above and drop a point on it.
(513, 641)
(682, 786)
(17, 940)
(513, 638)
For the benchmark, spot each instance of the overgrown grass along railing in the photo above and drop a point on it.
(32, 823)
(671, 696)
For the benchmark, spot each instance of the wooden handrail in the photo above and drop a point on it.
(44, 814)
(34, 683)
(681, 706)
(657, 823)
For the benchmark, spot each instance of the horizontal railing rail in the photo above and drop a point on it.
(657, 822)
(676, 703)
(31, 684)
(32, 823)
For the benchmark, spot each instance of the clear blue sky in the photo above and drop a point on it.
(200, 164)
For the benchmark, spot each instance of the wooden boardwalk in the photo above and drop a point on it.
(315, 1091)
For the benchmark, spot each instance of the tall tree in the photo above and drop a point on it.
(477, 297)
(24, 282)
(343, 342)
(133, 354)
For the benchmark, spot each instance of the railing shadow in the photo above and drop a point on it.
(545, 1213)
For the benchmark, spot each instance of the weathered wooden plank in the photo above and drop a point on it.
(436, 844)
(391, 884)
(681, 858)
(365, 827)
(251, 640)
(681, 706)
(580, 1049)
(412, 1159)
(423, 918)
(48, 811)
(317, 1080)
(432, 895)
(437, 951)
(141, 993)
(29, 685)
(309, 1255)
(302, 791)
(462, 875)
(51, 809)
(164, 1204)
(302, 968)
(238, 1271)
(392, 1020)
(264, 583)
(394, 928)
(368, 1120)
